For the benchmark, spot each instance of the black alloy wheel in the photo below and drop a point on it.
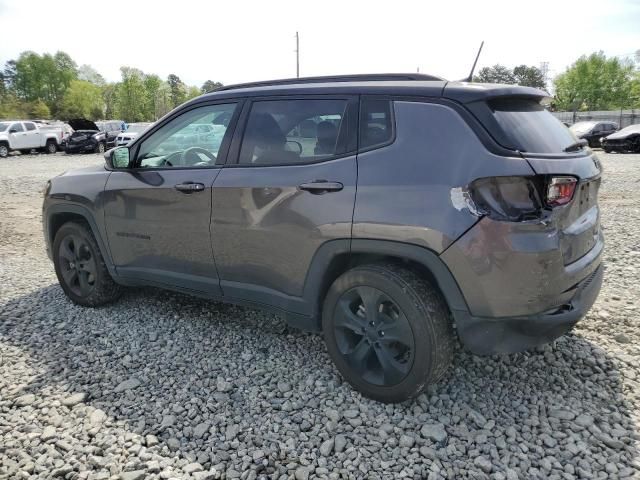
(77, 265)
(374, 336)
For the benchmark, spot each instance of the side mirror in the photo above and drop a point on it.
(117, 158)
(13, 130)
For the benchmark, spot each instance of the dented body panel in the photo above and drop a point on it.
(421, 178)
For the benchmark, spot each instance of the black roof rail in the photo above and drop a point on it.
(365, 77)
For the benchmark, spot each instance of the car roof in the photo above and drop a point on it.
(376, 84)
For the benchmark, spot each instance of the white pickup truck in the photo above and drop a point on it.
(24, 135)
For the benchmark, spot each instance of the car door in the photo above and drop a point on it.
(17, 136)
(32, 137)
(284, 193)
(158, 211)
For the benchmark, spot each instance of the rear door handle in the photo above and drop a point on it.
(190, 187)
(318, 187)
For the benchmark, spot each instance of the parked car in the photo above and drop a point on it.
(62, 131)
(89, 136)
(625, 140)
(592, 132)
(25, 135)
(419, 205)
(132, 131)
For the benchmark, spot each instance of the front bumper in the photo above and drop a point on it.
(80, 147)
(486, 336)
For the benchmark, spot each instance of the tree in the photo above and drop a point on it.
(595, 83)
(42, 77)
(177, 90)
(82, 100)
(110, 98)
(152, 84)
(39, 109)
(131, 95)
(529, 77)
(90, 74)
(209, 86)
(193, 92)
(496, 74)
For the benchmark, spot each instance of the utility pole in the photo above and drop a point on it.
(297, 55)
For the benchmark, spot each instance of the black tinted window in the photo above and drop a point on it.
(30, 126)
(530, 127)
(376, 123)
(293, 131)
(17, 127)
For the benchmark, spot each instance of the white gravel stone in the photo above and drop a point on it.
(162, 382)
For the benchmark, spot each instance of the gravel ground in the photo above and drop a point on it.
(161, 385)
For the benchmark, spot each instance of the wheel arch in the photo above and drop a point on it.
(59, 214)
(337, 256)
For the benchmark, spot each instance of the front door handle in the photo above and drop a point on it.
(318, 187)
(190, 187)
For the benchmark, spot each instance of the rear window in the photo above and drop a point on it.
(530, 127)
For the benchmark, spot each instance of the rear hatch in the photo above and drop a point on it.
(522, 124)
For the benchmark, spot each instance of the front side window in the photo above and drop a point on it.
(376, 123)
(191, 140)
(30, 126)
(285, 132)
(16, 127)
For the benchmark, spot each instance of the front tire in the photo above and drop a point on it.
(388, 330)
(80, 267)
(4, 150)
(101, 148)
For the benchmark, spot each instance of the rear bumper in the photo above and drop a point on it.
(486, 336)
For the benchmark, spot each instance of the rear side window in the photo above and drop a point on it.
(529, 127)
(289, 132)
(376, 123)
(30, 126)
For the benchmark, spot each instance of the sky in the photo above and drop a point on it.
(235, 41)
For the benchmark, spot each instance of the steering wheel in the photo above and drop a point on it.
(193, 152)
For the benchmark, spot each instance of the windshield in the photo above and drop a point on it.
(582, 127)
(4, 126)
(530, 127)
(137, 128)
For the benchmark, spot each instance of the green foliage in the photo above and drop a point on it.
(496, 74)
(524, 75)
(82, 100)
(529, 77)
(131, 95)
(39, 109)
(209, 86)
(42, 86)
(42, 77)
(595, 83)
(177, 90)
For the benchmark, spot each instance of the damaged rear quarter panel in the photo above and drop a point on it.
(413, 190)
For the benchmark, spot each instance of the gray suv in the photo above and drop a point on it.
(389, 212)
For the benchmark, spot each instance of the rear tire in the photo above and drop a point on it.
(403, 342)
(51, 147)
(101, 148)
(80, 267)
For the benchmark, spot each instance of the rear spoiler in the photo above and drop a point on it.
(464, 92)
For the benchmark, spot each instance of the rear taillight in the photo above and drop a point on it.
(560, 190)
(511, 199)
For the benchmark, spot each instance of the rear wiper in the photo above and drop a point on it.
(580, 144)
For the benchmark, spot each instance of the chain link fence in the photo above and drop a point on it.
(623, 118)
